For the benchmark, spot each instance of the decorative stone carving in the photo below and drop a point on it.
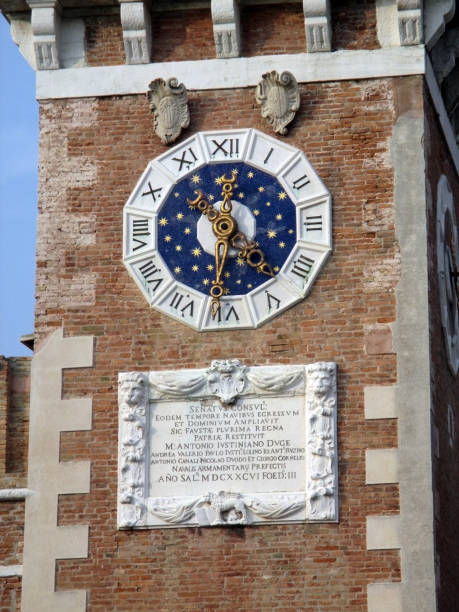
(321, 468)
(227, 445)
(169, 104)
(45, 27)
(317, 24)
(133, 397)
(436, 16)
(136, 24)
(448, 271)
(226, 23)
(224, 508)
(279, 97)
(226, 379)
(410, 22)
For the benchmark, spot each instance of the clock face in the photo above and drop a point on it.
(448, 272)
(276, 215)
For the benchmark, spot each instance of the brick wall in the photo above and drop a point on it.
(265, 30)
(445, 390)
(14, 420)
(92, 154)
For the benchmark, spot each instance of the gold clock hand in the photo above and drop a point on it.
(249, 252)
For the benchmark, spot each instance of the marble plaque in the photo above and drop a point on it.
(227, 445)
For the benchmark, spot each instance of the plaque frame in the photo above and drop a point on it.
(227, 382)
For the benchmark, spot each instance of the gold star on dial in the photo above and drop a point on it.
(196, 251)
(163, 221)
(195, 268)
(195, 179)
(187, 231)
(179, 216)
(256, 212)
(205, 281)
(272, 234)
(282, 244)
(178, 247)
(250, 174)
(210, 267)
(167, 238)
(177, 269)
(261, 188)
(282, 195)
(279, 217)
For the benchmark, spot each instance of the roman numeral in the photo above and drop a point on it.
(301, 182)
(232, 312)
(184, 161)
(313, 223)
(178, 304)
(152, 192)
(268, 156)
(271, 298)
(228, 146)
(147, 270)
(302, 266)
(139, 228)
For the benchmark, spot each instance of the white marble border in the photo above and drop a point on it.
(228, 380)
(230, 73)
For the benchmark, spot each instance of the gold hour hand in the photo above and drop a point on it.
(249, 252)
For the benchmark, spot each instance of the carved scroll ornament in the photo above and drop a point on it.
(279, 97)
(169, 105)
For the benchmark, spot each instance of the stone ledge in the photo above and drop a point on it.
(383, 532)
(381, 465)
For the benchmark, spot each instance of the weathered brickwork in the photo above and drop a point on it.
(445, 392)
(14, 429)
(103, 146)
(354, 25)
(10, 594)
(104, 41)
(265, 30)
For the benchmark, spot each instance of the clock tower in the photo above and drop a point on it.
(244, 389)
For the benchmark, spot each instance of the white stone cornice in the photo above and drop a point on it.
(136, 24)
(230, 73)
(226, 23)
(45, 28)
(317, 24)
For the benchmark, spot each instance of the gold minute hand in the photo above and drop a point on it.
(249, 252)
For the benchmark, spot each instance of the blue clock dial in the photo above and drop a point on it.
(185, 239)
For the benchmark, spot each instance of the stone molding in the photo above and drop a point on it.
(227, 381)
(7, 571)
(317, 23)
(212, 74)
(44, 541)
(14, 494)
(46, 30)
(136, 24)
(226, 25)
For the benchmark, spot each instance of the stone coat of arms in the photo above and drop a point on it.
(169, 105)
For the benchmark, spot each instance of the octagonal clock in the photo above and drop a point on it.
(227, 229)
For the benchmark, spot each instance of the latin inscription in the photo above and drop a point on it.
(255, 445)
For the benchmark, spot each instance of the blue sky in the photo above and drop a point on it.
(18, 194)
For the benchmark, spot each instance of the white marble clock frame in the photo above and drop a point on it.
(313, 387)
(299, 272)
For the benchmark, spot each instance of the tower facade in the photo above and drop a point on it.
(244, 386)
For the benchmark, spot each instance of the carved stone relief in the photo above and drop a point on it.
(410, 22)
(226, 25)
(45, 27)
(136, 24)
(279, 97)
(169, 105)
(317, 24)
(227, 445)
(133, 402)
